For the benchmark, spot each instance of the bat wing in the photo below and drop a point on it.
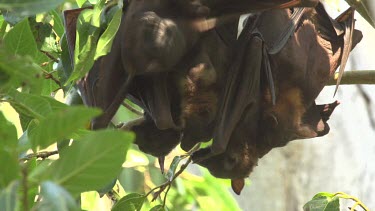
(153, 95)
(104, 86)
(241, 91)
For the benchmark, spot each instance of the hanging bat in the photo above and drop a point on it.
(296, 86)
(153, 37)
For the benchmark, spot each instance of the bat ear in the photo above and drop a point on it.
(237, 185)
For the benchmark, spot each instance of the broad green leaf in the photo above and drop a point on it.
(102, 191)
(8, 134)
(10, 169)
(84, 29)
(61, 124)
(65, 66)
(58, 26)
(9, 197)
(18, 71)
(56, 198)
(40, 170)
(98, 9)
(80, 3)
(29, 7)
(34, 106)
(158, 208)
(41, 31)
(131, 202)
(3, 26)
(132, 180)
(8, 155)
(106, 39)
(323, 202)
(20, 40)
(363, 8)
(85, 59)
(91, 162)
(85, 48)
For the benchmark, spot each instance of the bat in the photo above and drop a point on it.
(296, 84)
(157, 38)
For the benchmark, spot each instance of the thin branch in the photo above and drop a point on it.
(130, 108)
(355, 77)
(42, 155)
(50, 56)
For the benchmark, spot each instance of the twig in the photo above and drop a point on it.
(42, 155)
(50, 56)
(169, 182)
(48, 75)
(130, 108)
(355, 77)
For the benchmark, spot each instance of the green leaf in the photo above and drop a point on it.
(9, 197)
(9, 166)
(158, 208)
(85, 60)
(80, 3)
(8, 134)
(56, 198)
(61, 124)
(323, 202)
(34, 106)
(98, 9)
(172, 169)
(58, 25)
(29, 7)
(130, 202)
(18, 71)
(40, 170)
(85, 48)
(20, 40)
(8, 155)
(363, 8)
(91, 162)
(106, 39)
(132, 180)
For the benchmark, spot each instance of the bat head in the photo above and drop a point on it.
(157, 35)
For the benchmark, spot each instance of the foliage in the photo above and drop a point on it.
(331, 202)
(35, 64)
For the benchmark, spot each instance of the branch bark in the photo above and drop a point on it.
(354, 77)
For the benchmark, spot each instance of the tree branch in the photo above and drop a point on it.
(355, 77)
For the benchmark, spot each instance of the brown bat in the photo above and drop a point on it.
(289, 112)
(153, 37)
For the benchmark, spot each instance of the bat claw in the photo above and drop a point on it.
(161, 160)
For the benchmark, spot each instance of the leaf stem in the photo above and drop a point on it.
(358, 202)
(42, 155)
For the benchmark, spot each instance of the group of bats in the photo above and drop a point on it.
(182, 62)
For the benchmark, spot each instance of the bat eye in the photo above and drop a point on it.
(229, 162)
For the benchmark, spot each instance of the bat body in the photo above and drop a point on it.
(300, 70)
